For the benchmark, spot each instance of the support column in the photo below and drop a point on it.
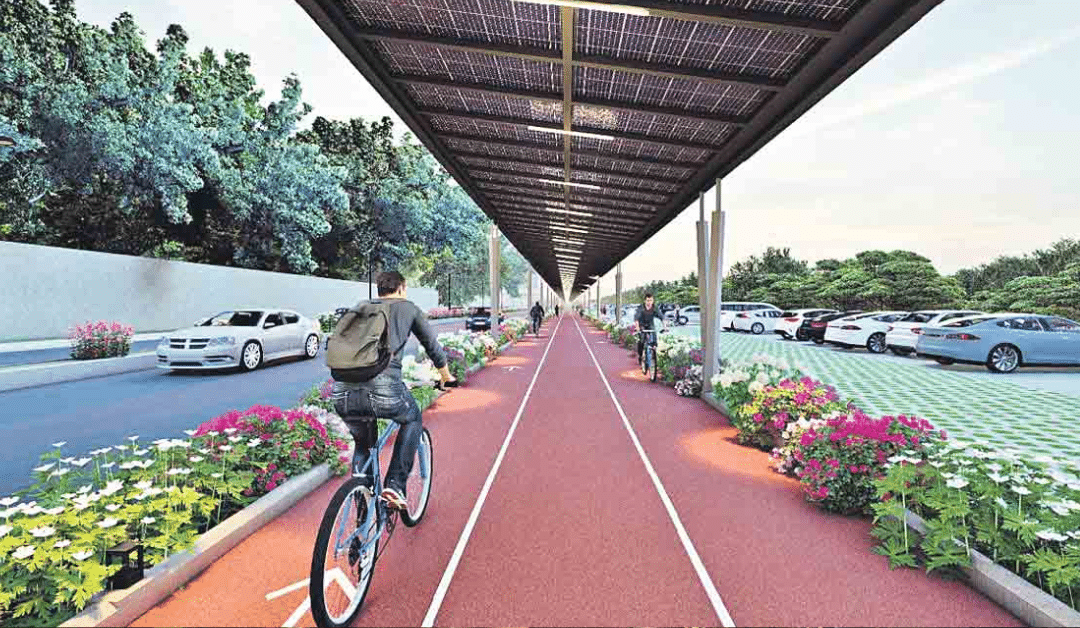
(529, 299)
(493, 254)
(618, 295)
(599, 301)
(703, 269)
(716, 279)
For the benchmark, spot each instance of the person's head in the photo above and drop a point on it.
(648, 301)
(391, 283)
(537, 304)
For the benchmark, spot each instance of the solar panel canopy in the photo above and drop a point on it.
(582, 128)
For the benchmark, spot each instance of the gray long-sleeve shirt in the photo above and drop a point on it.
(406, 318)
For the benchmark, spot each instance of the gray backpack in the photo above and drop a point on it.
(359, 348)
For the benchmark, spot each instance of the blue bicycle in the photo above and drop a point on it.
(647, 359)
(347, 546)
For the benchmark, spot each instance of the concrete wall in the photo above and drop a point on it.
(46, 290)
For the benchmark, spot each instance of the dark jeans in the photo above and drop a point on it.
(641, 344)
(384, 397)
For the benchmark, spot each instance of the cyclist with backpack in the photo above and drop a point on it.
(364, 355)
(537, 313)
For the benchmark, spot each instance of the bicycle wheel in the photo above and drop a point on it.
(652, 364)
(418, 484)
(341, 576)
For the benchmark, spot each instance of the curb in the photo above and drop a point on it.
(716, 403)
(15, 378)
(1028, 602)
(120, 608)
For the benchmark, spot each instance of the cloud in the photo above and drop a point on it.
(939, 81)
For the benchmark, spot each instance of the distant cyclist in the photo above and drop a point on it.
(537, 313)
(645, 319)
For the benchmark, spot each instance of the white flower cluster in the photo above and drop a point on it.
(762, 369)
(416, 373)
(671, 345)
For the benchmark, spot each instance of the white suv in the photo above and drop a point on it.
(728, 310)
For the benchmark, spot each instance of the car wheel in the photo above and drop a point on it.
(311, 347)
(251, 356)
(1003, 359)
(945, 361)
(876, 343)
(801, 336)
(900, 351)
(757, 329)
(819, 341)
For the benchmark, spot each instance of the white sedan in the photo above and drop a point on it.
(756, 322)
(789, 322)
(903, 336)
(862, 330)
(240, 338)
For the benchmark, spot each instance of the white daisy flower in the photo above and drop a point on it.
(45, 467)
(60, 444)
(225, 447)
(1059, 509)
(214, 433)
(82, 462)
(55, 511)
(83, 555)
(1042, 481)
(255, 442)
(133, 438)
(107, 522)
(42, 532)
(145, 484)
(235, 439)
(68, 495)
(147, 464)
(230, 430)
(147, 520)
(216, 476)
(190, 432)
(1050, 535)
(61, 544)
(9, 501)
(67, 460)
(24, 552)
(85, 489)
(59, 473)
(130, 464)
(112, 507)
(108, 465)
(1021, 490)
(957, 483)
(4, 530)
(196, 458)
(1001, 502)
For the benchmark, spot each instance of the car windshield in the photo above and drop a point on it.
(243, 318)
(968, 322)
(918, 317)
(482, 311)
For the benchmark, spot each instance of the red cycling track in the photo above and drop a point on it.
(573, 529)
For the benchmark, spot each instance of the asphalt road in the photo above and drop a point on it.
(154, 404)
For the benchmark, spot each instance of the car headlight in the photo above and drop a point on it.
(163, 343)
(222, 341)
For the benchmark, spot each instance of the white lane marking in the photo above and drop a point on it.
(688, 545)
(289, 589)
(448, 575)
(332, 575)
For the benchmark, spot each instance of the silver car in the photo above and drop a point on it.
(1004, 342)
(240, 338)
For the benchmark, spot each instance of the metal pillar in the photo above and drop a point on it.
(529, 299)
(703, 269)
(493, 260)
(618, 295)
(716, 279)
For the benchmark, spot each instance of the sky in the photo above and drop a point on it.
(957, 142)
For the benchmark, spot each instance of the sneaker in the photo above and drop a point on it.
(395, 497)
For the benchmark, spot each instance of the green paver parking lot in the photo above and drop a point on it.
(967, 407)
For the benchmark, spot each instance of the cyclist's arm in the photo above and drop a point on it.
(423, 332)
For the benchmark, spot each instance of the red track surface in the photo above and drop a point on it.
(573, 531)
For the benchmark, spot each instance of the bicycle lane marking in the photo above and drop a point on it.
(795, 565)
(233, 590)
(699, 567)
(455, 558)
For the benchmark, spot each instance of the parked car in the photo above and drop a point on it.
(756, 322)
(243, 338)
(903, 335)
(692, 314)
(728, 310)
(789, 325)
(1003, 342)
(862, 330)
(480, 319)
(814, 328)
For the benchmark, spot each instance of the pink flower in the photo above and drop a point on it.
(802, 398)
(271, 485)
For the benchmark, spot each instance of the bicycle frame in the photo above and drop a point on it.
(380, 512)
